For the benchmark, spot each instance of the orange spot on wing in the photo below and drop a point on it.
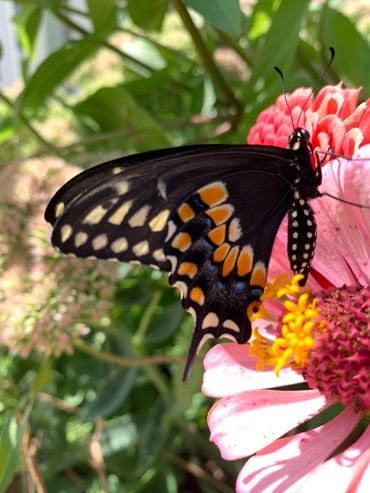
(245, 261)
(185, 212)
(221, 213)
(213, 194)
(217, 235)
(258, 277)
(230, 261)
(182, 242)
(197, 295)
(187, 269)
(220, 253)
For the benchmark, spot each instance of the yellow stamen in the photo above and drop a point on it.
(298, 326)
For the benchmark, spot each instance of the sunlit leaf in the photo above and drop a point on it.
(352, 60)
(103, 14)
(114, 108)
(54, 70)
(148, 14)
(224, 15)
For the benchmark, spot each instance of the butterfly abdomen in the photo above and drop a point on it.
(301, 237)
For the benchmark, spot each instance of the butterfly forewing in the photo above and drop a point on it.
(206, 214)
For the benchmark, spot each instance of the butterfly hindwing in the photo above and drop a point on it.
(219, 253)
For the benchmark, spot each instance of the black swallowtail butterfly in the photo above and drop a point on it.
(207, 214)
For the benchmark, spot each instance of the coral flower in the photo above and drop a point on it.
(295, 401)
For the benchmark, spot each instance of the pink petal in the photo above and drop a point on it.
(361, 481)
(343, 245)
(231, 370)
(282, 466)
(347, 468)
(242, 424)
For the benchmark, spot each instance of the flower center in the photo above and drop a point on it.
(325, 338)
(340, 364)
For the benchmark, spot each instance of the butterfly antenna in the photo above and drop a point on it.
(326, 69)
(284, 94)
(356, 204)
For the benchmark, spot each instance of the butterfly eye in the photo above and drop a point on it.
(253, 309)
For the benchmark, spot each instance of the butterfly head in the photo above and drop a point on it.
(299, 140)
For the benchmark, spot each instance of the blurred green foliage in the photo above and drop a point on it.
(145, 74)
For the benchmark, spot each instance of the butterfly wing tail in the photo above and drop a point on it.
(196, 343)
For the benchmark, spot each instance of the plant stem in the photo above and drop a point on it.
(196, 471)
(146, 318)
(102, 41)
(122, 360)
(204, 53)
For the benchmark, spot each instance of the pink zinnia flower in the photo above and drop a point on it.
(318, 335)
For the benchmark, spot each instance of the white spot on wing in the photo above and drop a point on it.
(139, 218)
(159, 221)
(59, 208)
(235, 231)
(117, 169)
(173, 262)
(100, 241)
(119, 245)
(229, 336)
(141, 248)
(95, 215)
(80, 239)
(159, 256)
(230, 324)
(171, 230)
(210, 320)
(182, 287)
(121, 186)
(118, 215)
(162, 189)
(65, 232)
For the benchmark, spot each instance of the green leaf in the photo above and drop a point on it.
(144, 51)
(261, 18)
(27, 21)
(119, 436)
(11, 434)
(184, 394)
(103, 14)
(7, 129)
(54, 70)
(163, 326)
(114, 391)
(148, 14)
(279, 48)
(114, 108)
(42, 378)
(352, 60)
(224, 15)
(44, 4)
